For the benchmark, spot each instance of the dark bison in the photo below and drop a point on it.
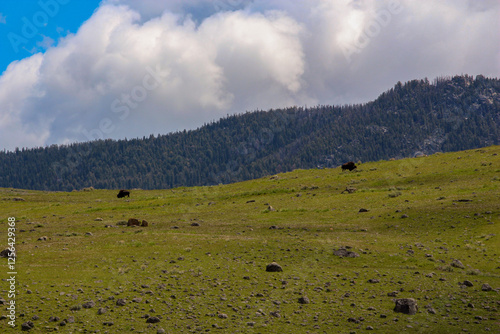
(136, 222)
(123, 193)
(348, 165)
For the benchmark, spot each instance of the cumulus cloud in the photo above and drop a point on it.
(155, 66)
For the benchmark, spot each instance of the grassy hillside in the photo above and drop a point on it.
(200, 265)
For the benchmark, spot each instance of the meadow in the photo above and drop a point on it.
(421, 227)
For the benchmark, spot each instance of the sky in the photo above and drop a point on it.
(80, 70)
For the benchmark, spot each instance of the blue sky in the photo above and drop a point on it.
(82, 70)
(52, 20)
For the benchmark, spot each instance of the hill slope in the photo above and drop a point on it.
(450, 114)
(200, 265)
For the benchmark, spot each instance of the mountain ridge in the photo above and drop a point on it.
(417, 117)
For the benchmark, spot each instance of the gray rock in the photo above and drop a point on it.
(343, 252)
(7, 253)
(88, 304)
(121, 302)
(102, 310)
(457, 264)
(304, 300)
(468, 283)
(152, 320)
(27, 326)
(486, 287)
(273, 267)
(406, 306)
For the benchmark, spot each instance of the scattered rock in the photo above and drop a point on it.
(18, 199)
(486, 287)
(406, 306)
(44, 238)
(393, 293)
(27, 326)
(108, 323)
(273, 267)
(102, 310)
(121, 302)
(468, 283)
(363, 210)
(98, 220)
(152, 320)
(373, 280)
(349, 190)
(89, 234)
(144, 223)
(304, 300)
(195, 224)
(270, 208)
(7, 253)
(343, 252)
(137, 300)
(404, 216)
(88, 304)
(457, 264)
(160, 331)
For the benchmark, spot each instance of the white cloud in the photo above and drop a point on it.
(160, 66)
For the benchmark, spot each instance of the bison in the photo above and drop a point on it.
(136, 222)
(123, 193)
(349, 165)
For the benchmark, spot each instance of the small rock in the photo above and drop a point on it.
(88, 304)
(137, 300)
(102, 310)
(121, 302)
(44, 238)
(457, 264)
(406, 306)
(468, 283)
(152, 320)
(304, 300)
(7, 253)
(27, 326)
(98, 220)
(195, 224)
(273, 267)
(404, 216)
(160, 331)
(363, 210)
(373, 280)
(486, 287)
(108, 323)
(343, 252)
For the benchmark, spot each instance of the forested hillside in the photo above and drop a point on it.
(418, 117)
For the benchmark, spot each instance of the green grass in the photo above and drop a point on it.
(192, 277)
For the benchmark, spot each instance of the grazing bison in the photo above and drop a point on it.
(123, 193)
(349, 165)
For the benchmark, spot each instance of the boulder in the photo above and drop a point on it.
(406, 306)
(273, 267)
